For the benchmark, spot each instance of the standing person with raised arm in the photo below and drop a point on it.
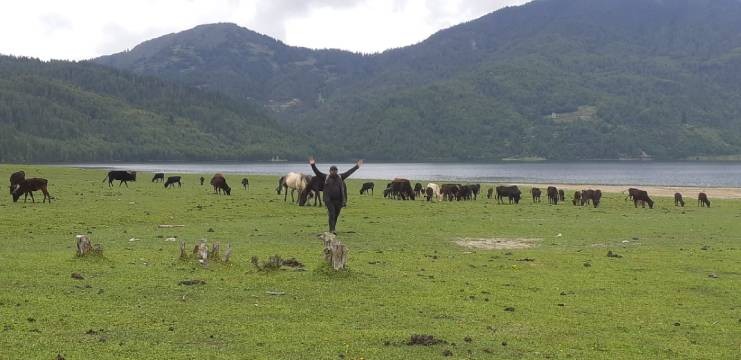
(335, 190)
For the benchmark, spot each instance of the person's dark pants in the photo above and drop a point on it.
(333, 210)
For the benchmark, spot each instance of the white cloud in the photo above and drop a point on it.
(81, 29)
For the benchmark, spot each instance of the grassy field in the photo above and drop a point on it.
(674, 293)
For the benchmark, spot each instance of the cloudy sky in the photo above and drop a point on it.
(82, 29)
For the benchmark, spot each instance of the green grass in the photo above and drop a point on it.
(406, 277)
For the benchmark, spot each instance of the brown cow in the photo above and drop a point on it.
(219, 184)
(577, 198)
(702, 200)
(642, 197)
(28, 186)
(678, 201)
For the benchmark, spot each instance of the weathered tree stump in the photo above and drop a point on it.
(85, 247)
(214, 254)
(227, 253)
(183, 253)
(335, 253)
(201, 251)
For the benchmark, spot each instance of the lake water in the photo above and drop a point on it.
(701, 174)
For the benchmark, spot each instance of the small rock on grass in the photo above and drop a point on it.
(192, 282)
(77, 276)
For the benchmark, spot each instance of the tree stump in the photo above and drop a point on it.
(335, 253)
(227, 253)
(214, 254)
(201, 251)
(183, 253)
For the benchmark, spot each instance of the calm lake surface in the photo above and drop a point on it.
(701, 174)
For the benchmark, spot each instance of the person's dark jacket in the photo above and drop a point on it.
(334, 187)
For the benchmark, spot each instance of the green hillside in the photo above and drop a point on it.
(661, 79)
(65, 111)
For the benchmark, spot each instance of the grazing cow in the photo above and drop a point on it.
(387, 192)
(513, 193)
(202, 180)
(586, 197)
(577, 198)
(553, 195)
(642, 197)
(367, 187)
(313, 189)
(465, 192)
(434, 190)
(28, 186)
(402, 189)
(489, 193)
(561, 195)
(632, 193)
(678, 200)
(158, 177)
(702, 200)
(15, 179)
(449, 191)
(172, 180)
(596, 197)
(475, 190)
(245, 183)
(418, 189)
(122, 176)
(218, 181)
(536, 194)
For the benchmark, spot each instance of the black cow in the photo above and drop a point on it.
(367, 187)
(465, 192)
(28, 186)
(587, 197)
(475, 190)
(553, 195)
(449, 191)
(15, 179)
(122, 176)
(245, 183)
(702, 200)
(596, 197)
(158, 177)
(631, 193)
(429, 193)
(561, 195)
(536, 194)
(402, 189)
(678, 200)
(512, 193)
(489, 193)
(172, 180)
(418, 189)
(313, 189)
(202, 180)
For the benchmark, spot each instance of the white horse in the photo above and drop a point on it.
(294, 181)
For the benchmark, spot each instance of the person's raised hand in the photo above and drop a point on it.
(359, 163)
(312, 161)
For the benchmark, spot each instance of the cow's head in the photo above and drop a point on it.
(303, 196)
(16, 192)
(227, 190)
(133, 175)
(650, 203)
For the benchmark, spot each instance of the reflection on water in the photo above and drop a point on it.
(702, 174)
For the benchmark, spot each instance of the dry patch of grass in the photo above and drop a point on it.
(497, 243)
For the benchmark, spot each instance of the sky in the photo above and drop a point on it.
(84, 29)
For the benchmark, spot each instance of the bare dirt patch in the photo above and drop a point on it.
(497, 243)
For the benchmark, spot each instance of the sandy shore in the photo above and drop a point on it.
(660, 191)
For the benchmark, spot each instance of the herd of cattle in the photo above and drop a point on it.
(399, 189)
